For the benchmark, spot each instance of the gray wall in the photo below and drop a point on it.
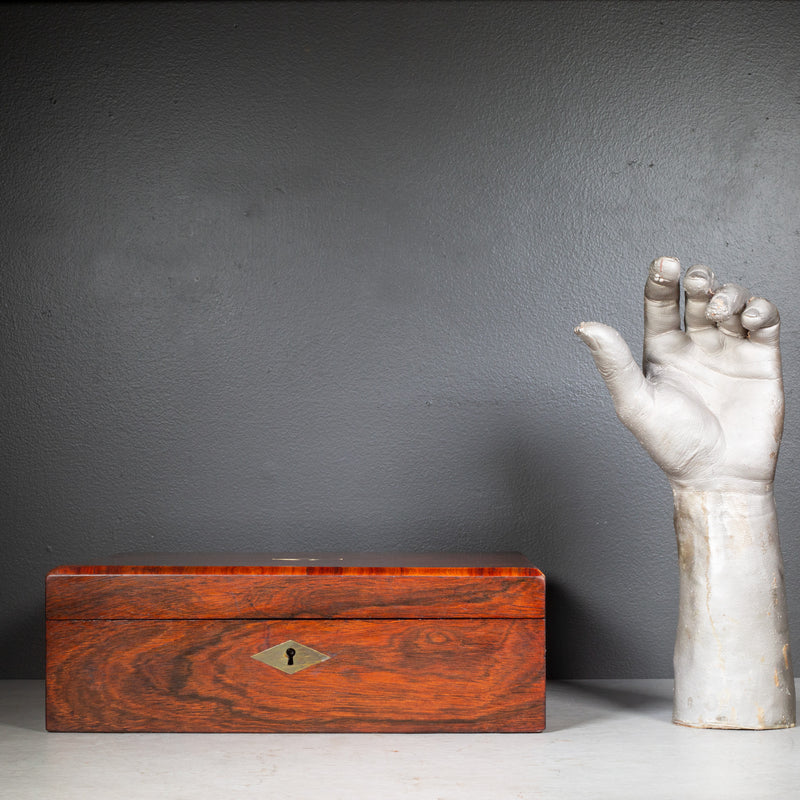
(305, 277)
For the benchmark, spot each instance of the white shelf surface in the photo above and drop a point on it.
(604, 739)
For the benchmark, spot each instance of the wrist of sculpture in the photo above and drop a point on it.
(731, 606)
(714, 376)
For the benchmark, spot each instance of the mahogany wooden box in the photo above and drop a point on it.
(364, 642)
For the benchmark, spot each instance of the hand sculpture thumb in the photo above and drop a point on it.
(629, 389)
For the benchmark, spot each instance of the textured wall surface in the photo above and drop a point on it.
(305, 277)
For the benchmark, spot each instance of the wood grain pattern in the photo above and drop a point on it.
(440, 642)
(288, 595)
(382, 675)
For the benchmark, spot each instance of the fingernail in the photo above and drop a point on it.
(665, 270)
(699, 280)
(584, 335)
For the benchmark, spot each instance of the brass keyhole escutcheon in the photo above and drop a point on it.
(291, 656)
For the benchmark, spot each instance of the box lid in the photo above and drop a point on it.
(297, 586)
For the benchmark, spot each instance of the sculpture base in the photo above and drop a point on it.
(723, 727)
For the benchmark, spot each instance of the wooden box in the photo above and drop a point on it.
(280, 643)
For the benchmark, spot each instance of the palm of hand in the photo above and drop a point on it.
(708, 406)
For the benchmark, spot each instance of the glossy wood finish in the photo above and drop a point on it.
(382, 675)
(290, 596)
(440, 585)
(434, 643)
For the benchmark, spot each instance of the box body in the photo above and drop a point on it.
(406, 643)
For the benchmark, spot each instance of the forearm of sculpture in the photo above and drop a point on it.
(731, 606)
(708, 406)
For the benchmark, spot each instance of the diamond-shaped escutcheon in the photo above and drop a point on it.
(291, 656)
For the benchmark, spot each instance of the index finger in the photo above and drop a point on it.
(662, 301)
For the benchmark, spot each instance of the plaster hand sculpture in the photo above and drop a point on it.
(708, 408)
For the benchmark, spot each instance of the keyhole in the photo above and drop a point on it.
(290, 653)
